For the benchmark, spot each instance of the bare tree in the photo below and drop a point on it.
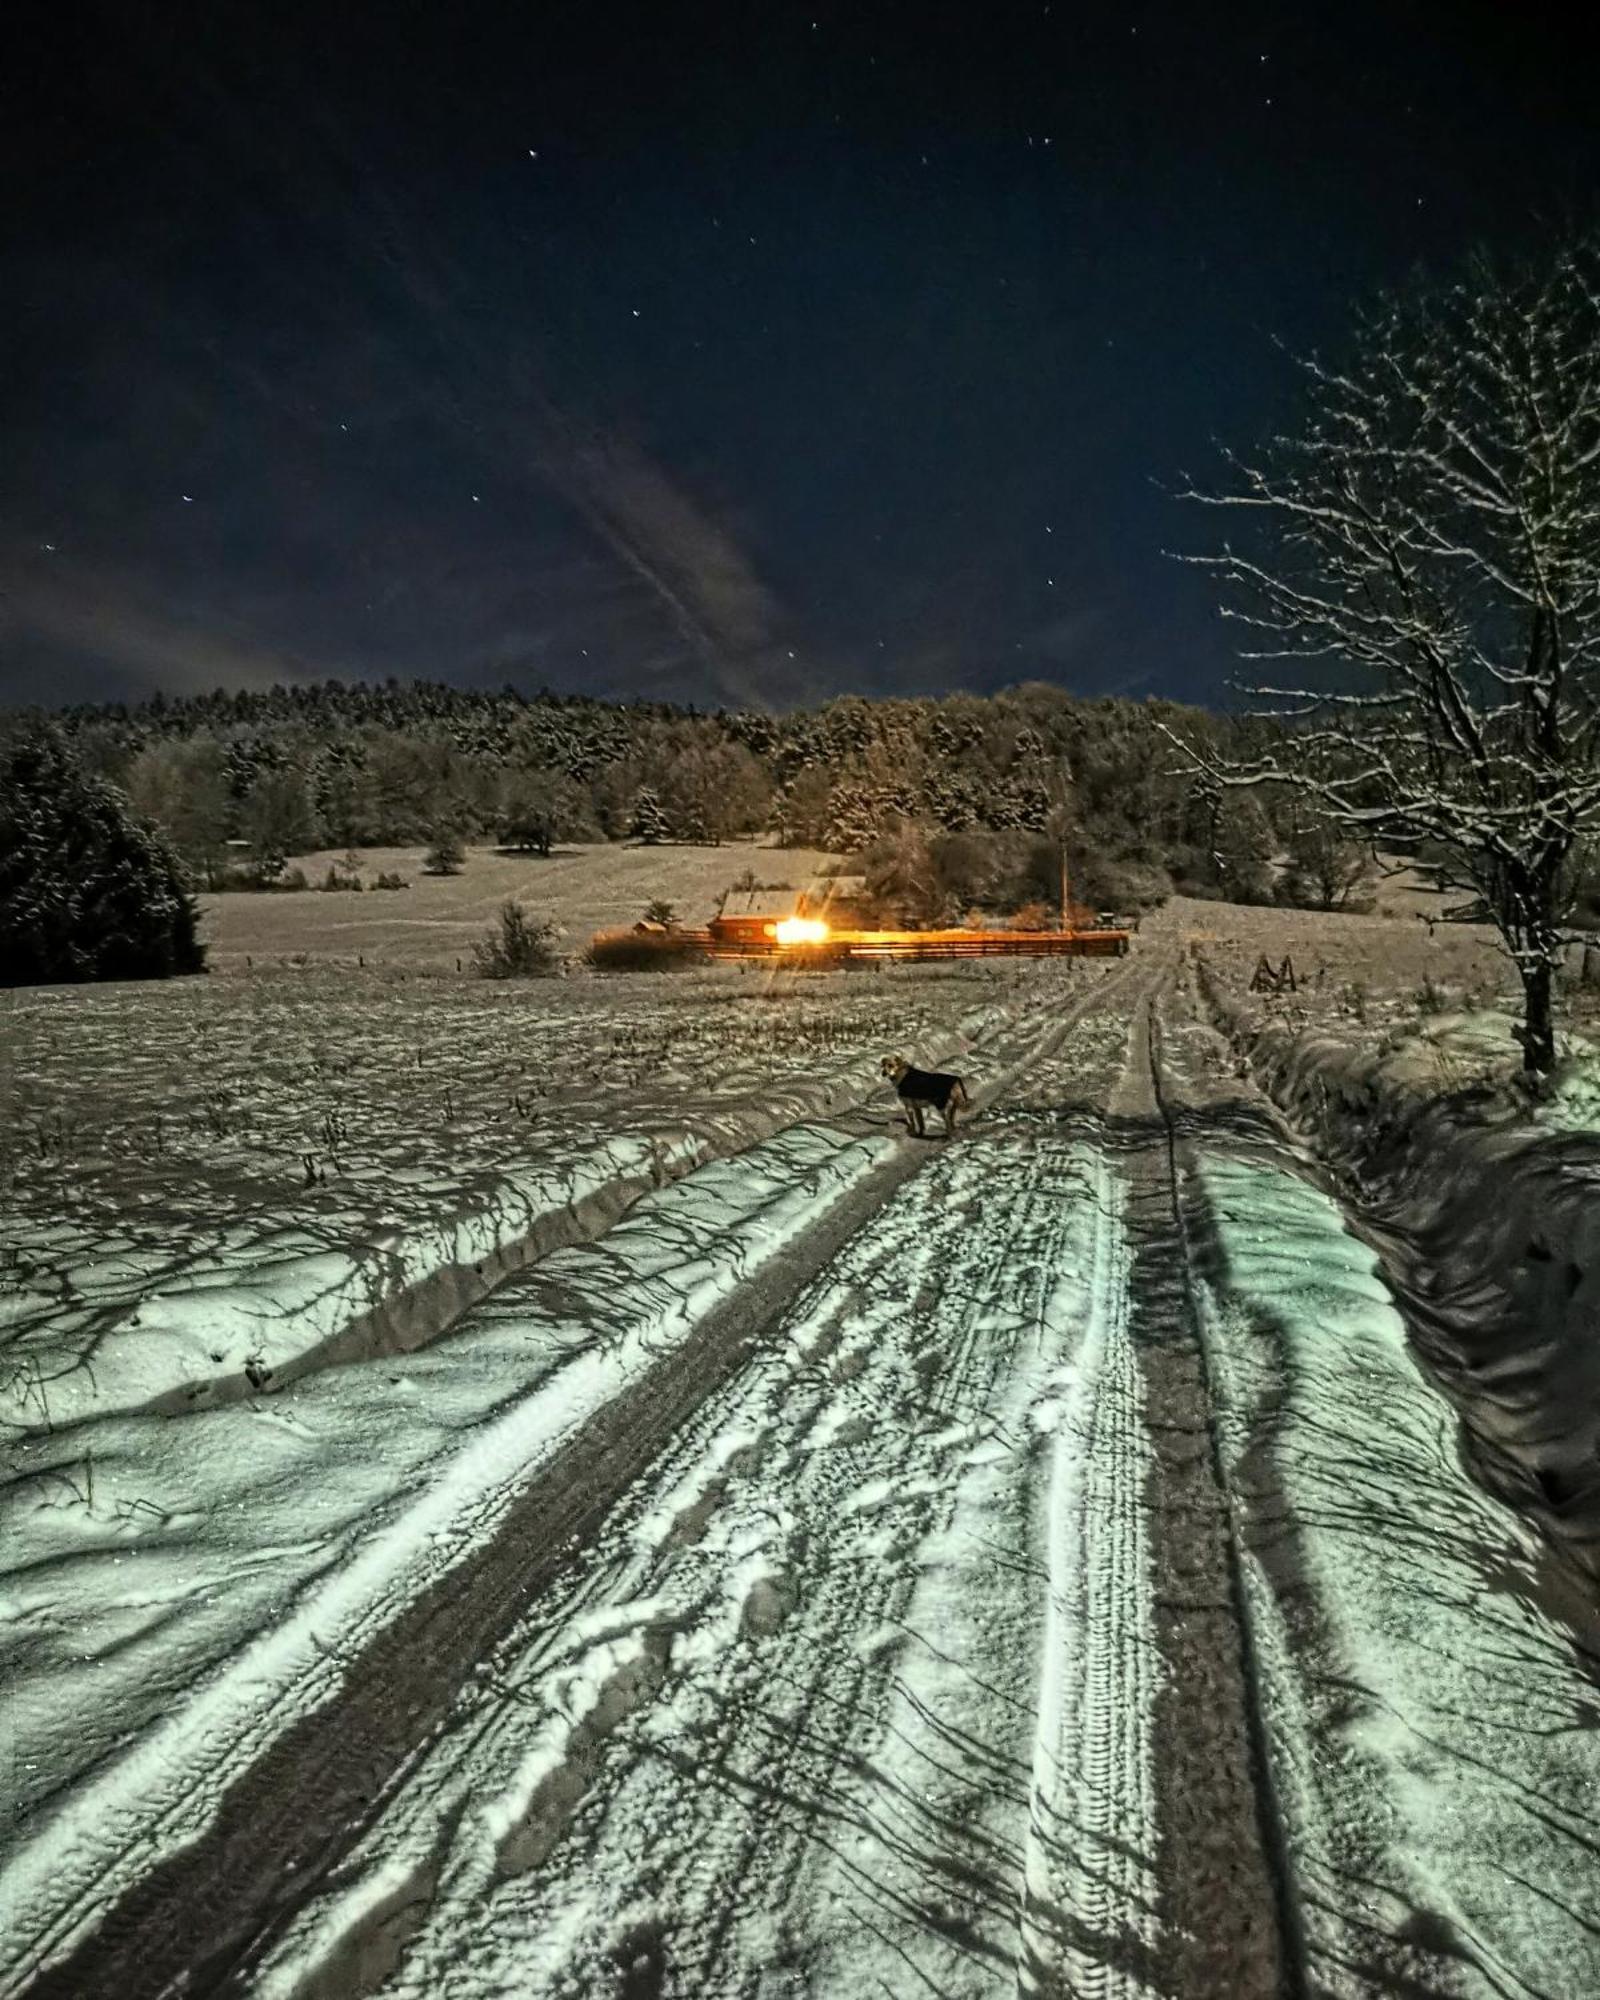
(1324, 871)
(1433, 544)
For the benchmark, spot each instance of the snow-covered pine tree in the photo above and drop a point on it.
(855, 818)
(647, 823)
(86, 890)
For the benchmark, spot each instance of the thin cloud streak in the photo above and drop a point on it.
(101, 617)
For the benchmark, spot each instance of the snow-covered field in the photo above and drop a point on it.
(1047, 1563)
(213, 1182)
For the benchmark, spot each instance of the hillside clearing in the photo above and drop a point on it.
(437, 919)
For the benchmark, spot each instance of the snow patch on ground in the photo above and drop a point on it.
(1432, 1728)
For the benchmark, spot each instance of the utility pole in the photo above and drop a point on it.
(1062, 786)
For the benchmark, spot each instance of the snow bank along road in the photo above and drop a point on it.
(1030, 1565)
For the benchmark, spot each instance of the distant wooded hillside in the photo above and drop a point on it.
(975, 781)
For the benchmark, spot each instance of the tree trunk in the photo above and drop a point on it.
(1538, 1018)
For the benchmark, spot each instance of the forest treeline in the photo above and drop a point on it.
(967, 792)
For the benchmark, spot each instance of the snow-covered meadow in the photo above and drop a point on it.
(210, 1183)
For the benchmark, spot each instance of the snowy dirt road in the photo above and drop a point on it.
(1029, 1565)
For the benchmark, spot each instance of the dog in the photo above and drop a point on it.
(918, 1088)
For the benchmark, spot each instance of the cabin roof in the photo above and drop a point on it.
(765, 903)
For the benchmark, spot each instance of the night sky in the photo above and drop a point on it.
(746, 353)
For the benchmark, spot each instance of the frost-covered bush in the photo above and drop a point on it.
(519, 947)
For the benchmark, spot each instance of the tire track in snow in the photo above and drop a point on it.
(1430, 1703)
(1228, 1914)
(749, 1756)
(800, 1710)
(1087, 1916)
(765, 1747)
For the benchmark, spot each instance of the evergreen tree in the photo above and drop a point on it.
(855, 817)
(649, 822)
(519, 947)
(446, 853)
(86, 891)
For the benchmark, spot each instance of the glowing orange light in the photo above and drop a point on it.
(801, 930)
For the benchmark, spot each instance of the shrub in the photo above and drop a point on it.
(265, 875)
(519, 947)
(659, 912)
(446, 855)
(645, 951)
(86, 890)
(388, 880)
(338, 878)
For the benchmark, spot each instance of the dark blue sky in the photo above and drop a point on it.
(728, 353)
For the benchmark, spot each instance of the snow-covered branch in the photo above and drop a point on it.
(1431, 537)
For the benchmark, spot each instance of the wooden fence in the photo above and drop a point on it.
(897, 947)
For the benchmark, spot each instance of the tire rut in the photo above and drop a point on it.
(1227, 1908)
